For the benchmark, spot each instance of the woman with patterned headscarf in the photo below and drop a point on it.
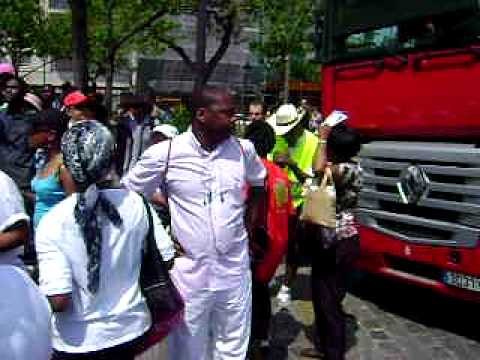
(90, 249)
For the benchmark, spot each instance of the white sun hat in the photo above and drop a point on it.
(285, 119)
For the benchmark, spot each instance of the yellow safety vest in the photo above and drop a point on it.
(303, 153)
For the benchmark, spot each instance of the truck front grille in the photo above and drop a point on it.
(449, 215)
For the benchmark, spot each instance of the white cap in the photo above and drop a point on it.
(169, 131)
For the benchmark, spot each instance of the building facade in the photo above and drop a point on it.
(165, 75)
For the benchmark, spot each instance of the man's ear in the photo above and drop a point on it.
(200, 114)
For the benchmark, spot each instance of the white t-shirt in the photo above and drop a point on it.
(117, 313)
(12, 211)
(24, 317)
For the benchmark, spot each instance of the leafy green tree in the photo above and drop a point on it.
(182, 118)
(223, 19)
(112, 30)
(26, 30)
(285, 41)
(122, 27)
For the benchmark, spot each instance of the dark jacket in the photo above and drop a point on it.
(16, 156)
(125, 153)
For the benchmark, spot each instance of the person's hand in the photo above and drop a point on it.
(335, 118)
(283, 160)
(332, 120)
(324, 131)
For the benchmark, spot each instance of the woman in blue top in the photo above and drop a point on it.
(52, 182)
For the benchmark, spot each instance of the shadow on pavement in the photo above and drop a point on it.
(285, 329)
(418, 305)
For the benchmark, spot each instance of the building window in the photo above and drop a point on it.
(58, 5)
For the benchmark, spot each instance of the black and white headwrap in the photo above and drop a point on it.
(87, 149)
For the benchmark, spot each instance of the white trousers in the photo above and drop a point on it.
(216, 326)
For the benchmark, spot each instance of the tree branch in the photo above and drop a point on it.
(228, 27)
(179, 50)
(139, 27)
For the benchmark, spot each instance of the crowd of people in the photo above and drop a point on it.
(77, 194)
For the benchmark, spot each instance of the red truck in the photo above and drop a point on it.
(408, 74)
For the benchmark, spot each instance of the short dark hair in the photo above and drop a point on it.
(206, 96)
(258, 103)
(262, 135)
(51, 119)
(344, 143)
(130, 101)
(6, 77)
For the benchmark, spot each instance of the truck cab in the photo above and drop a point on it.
(407, 73)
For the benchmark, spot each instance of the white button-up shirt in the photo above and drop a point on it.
(11, 212)
(207, 193)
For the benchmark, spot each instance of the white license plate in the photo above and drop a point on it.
(462, 281)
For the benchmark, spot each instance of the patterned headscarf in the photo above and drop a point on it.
(87, 149)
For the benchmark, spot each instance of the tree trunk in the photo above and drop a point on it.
(80, 43)
(15, 63)
(286, 86)
(110, 68)
(201, 46)
(110, 71)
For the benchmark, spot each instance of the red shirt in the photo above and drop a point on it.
(278, 210)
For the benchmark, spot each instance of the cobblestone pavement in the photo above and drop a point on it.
(392, 321)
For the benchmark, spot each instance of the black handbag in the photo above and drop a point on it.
(163, 299)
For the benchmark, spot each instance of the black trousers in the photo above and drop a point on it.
(261, 303)
(261, 311)
(330, 269)
(126, 351)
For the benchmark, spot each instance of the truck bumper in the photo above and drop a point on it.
(417, 264)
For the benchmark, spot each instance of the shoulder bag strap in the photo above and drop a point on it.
(150, 245)
(244, 157)
(167, 163)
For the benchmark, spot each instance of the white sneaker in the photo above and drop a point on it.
(284, 297)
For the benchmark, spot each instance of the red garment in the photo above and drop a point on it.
(279, 208)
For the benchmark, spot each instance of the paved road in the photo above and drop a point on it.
(392, 321)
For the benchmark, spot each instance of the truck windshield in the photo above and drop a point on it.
(366, 28)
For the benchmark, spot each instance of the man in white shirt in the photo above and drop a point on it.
(207, 181)
(13, 222)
